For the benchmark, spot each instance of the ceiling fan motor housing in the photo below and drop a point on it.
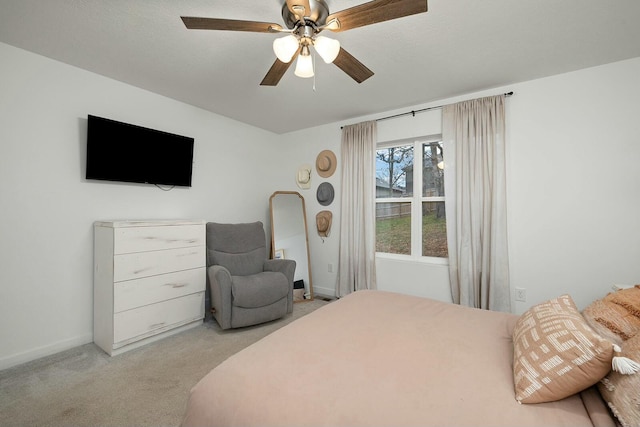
(318, 14)
(306, 35)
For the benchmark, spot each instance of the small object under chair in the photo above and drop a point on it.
(298, 291)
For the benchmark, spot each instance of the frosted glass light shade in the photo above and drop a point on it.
(304, 66)
(327, 48)
(285, 48)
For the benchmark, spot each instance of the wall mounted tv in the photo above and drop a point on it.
(124, 152)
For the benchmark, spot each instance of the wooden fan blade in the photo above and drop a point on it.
(195, 23)
(377, 11)
(303, 3)
(350, 65)
(276, 71)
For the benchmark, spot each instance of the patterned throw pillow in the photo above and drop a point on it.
(622, 392)
(555, 353)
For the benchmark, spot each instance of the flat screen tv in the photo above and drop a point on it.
(124, 152)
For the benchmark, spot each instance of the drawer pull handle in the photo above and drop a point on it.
(177, 285)
(141, 270)
(189, 254)
(157, 325)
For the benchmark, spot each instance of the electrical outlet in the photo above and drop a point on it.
(521, 294)
(330, 268)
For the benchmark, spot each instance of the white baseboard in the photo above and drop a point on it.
(157, 337)
(330, 292)
(47, 350)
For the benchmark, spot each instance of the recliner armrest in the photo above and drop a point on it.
(284, 266)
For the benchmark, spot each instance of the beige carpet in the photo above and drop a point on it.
(148, 386)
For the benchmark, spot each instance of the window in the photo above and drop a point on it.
(410, 212)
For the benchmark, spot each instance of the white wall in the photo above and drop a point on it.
(48, 208)
(573, 186)
(574, 183)
(300, 148)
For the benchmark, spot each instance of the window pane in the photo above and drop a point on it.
(394, 172)
(393, 228)
(434, 230)
(432, 170)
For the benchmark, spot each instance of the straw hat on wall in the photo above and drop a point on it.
(326, 163)
(323, 223)
(303, 176)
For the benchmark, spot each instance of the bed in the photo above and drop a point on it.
(376, 358)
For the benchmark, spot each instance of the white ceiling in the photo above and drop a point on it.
(458, 46)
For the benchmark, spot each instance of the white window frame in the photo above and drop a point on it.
(416, 200)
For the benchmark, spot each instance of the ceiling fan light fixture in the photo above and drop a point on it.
(304, 21)
(304, 65)
(285, 47)
(327, 48)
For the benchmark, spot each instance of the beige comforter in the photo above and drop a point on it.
(380, 359)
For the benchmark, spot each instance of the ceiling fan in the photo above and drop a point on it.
(305, 20)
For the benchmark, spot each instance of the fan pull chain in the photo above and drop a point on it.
(314, 70)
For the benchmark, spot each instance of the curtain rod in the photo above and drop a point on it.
(413, 112)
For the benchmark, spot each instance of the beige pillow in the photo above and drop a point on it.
(555, 353)
(622, 392)
(616, 317)
(611, 321)
(627, 298)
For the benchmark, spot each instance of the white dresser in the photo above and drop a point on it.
(149, 281)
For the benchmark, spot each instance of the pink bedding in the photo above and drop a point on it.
(381, 359)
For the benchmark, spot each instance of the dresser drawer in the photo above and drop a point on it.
(149, 290)
(132, 325)
(140, 239)
(145, 264)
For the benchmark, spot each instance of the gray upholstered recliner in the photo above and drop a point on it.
(246, 287)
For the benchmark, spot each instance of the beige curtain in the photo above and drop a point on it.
(474, 142)
(357, 268)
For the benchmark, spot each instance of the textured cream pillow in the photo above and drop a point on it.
(622, 392)
(555, 353)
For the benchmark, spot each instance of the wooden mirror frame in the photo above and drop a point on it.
(306, 235)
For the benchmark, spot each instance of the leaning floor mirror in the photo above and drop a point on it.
(289, 238)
